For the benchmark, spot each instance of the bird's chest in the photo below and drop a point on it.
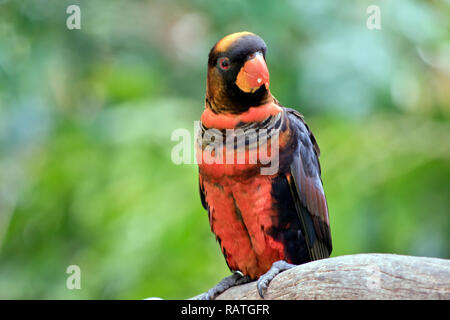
(241, 215)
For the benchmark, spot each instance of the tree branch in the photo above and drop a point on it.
(361, 276)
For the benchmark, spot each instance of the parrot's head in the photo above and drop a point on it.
(238, 77)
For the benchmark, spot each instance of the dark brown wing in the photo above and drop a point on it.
(202, 193)
(306, 187)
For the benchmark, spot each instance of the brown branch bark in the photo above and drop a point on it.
(361, 276)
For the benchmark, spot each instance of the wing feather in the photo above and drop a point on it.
(307, 191)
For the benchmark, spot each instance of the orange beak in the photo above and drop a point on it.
(253, 74)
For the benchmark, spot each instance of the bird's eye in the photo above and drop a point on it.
(224, 63)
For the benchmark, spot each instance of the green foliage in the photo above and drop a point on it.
(86, 118)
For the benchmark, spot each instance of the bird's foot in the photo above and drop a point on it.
(266, 278)
(235, 279)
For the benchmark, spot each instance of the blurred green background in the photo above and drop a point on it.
(86, 117)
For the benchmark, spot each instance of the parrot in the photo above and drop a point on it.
(267, 210)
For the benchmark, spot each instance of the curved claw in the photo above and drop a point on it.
(204, 296)
(261, 288)
(265, 279)
(235, 279)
